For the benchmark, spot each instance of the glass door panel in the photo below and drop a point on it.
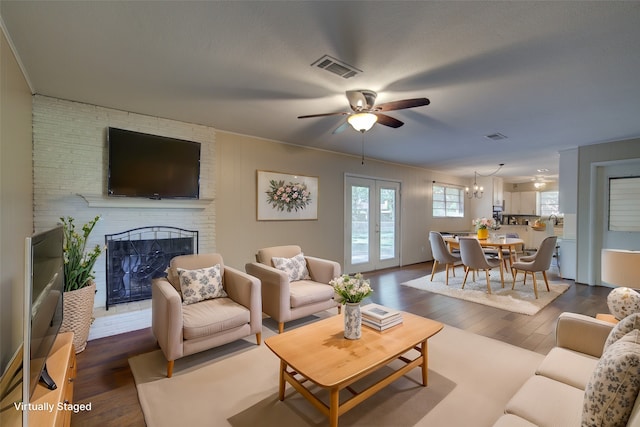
(372, 225)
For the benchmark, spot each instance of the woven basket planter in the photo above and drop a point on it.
(78, 314)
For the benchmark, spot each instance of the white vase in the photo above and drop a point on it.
(352, 321)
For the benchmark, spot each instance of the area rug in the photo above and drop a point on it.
(471, 378)
(519, 300)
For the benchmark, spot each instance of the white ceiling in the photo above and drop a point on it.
(548, 75)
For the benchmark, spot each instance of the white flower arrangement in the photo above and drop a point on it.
(289, 197)
(484, 223)
(351, 289)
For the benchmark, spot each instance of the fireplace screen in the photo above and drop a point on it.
(137, 256)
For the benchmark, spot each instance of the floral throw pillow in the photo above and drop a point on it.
(296, 267)
(612, 390)
(622, 328)
(623, 302)
(199, 285)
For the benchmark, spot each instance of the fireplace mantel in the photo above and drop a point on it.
(101, 201)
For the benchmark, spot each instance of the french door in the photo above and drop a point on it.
(372, 224)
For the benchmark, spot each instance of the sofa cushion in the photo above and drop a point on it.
(296, 267)
(212, 316)
(568, 366)
(546, 402)
(623, 302)
(305, 292)
(612, 391)
(622, 328)
(510, 420)
(201, 284)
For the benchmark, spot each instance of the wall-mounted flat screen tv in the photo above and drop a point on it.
(150, 166)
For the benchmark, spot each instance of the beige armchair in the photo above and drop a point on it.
(284, 299)
(183, 329)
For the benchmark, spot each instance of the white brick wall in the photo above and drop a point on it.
(70, 158)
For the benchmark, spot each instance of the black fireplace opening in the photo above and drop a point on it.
(135, 257)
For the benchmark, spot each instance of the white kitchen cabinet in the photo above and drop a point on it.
(507, 202)
(498, 193)
(528, 203)
(521, 203)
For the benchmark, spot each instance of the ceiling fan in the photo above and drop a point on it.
(365, 114)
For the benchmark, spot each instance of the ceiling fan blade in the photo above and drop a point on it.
(402, 104)
(344, 126)
(383, 119)
(343, 113)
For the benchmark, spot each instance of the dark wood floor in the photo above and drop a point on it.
(104, 378)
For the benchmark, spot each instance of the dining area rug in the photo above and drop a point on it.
(519, 300)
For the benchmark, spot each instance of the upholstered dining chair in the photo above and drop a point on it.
(442, 255)
(293, 285)
(538, 262)
(203, 304)
(474, 258)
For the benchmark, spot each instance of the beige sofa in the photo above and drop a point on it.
(571, 378)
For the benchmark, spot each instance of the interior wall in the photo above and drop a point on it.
(16, 195)
(591, 199)
(240, 234)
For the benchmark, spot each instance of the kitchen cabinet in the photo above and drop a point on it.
(498, 194)
(507, 202)
(528, 203)
(521, 202)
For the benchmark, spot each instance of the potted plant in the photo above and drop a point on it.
(79, 286)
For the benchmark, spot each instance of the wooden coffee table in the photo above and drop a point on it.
(319, 353)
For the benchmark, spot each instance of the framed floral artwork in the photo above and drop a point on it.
(282, 197)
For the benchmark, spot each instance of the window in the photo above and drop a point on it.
(624, 203)
(448, 201)
(549, 204)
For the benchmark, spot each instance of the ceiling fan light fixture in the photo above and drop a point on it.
(362, 122)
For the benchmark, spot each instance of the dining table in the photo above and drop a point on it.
(499, 243)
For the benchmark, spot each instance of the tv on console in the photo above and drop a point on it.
(44, 287)
(150, 166)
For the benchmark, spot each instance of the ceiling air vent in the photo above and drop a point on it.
(336, 66)
(496, 136)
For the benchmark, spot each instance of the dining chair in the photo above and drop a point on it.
(507, 254)
(538, 262)
(442, 255)
(474, 258)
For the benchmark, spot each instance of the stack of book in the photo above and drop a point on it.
(379, 317)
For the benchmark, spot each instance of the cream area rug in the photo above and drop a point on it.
(519, 300)
(471, 378)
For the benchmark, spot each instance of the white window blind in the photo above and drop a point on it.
(448, 201)
(624, 204)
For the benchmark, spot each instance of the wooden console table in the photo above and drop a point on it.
(61, 365)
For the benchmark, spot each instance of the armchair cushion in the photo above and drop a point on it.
(296, 267)
(611, 393)
(213, 316)
(191, 262)
(305, 292)
(201, 284)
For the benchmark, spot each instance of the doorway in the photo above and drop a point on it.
(372, 224)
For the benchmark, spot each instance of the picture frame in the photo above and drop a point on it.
(286, 197)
